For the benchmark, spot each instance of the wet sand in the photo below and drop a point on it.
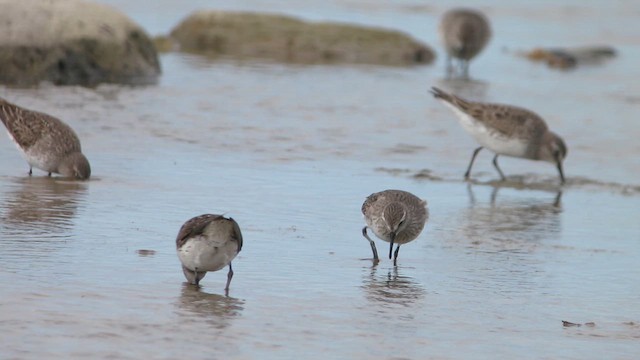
(291, 152)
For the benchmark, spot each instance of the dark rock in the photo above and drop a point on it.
(72, 42)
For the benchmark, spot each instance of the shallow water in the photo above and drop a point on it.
(90, 271)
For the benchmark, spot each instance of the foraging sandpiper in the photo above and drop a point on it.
(208, 243)
(46, 142)
(395, 216)
(464, 32)
(506, 130)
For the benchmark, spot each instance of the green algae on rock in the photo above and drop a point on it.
(72, 42)
(287, 39)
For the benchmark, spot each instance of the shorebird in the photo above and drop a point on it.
(395, 216)
(506, 130)
(46, 142)
(465, 33)
(208, 243)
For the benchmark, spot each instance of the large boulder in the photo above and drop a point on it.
(72, 42)
(287, 39)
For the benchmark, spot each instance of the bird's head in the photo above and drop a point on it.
(394, 216)
(553, 150)
(75, 166)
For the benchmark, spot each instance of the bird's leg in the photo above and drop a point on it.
(465, 69)
(473, 158)
(395, 255)
(229, 277)
(556, 202)
(373, 245)
(30, 171)
(49, 175)
(472, 197)
(495, 163)
(559, 165)
(460, 68)
(449, 66)
(494, 195)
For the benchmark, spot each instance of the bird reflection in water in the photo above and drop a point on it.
(39, 206)
(217, 310)
(512, 223)
(391, 288)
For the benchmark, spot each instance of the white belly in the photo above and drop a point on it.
(206, 254)
(41, 160)
(37, 159)
(488, 138)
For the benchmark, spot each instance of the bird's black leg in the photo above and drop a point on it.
(559, 165)
(395, 255)
(449, 66)
(556, 202)
(49, 174)
(229, 277)
(30, 171)
(495, 163)
(473, 158)
(494, 195)
(465, 69)
(373, 245)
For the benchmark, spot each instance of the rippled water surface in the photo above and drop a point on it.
(89, 269)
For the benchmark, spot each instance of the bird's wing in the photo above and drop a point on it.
(24, 126)
(237, 234)
(194, 227)
(505, 119)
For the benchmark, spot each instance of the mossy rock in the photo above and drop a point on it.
(72, 42)
(286, 39)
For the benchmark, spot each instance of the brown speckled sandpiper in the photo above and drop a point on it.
(506, 130)
(395, 216)
(46, 142)
(464, 32)
(208, 243)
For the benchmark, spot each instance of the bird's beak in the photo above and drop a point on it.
(559, 164)
(393, 238)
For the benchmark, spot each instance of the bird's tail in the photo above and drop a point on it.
(440, 94)
(4, 106)
(450, 98)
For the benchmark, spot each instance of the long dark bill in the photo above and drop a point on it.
(393, 238)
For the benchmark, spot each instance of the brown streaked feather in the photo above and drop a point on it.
(27, 127)
(459, 102)
(374, 200)
(505, 119)
(197, 225)
(368, 201)
(237, 235)
(194, 227)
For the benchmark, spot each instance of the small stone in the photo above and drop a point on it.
(569, 324)
(145, 252)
